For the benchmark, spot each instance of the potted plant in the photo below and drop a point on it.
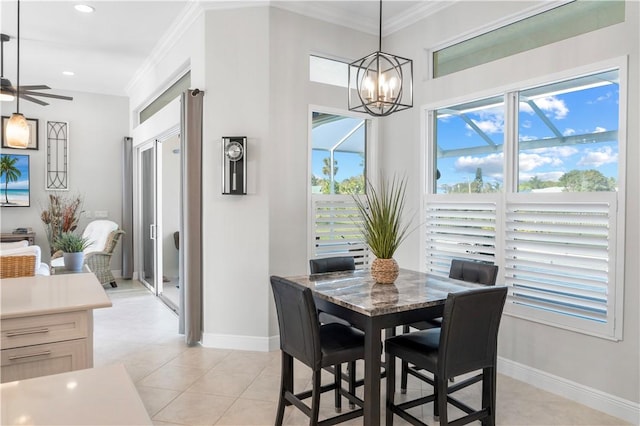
(72, 247)
(382, 227)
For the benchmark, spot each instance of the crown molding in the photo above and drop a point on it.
(414, 14)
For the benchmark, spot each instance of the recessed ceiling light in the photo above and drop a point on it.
(84, 8)
(68, 73)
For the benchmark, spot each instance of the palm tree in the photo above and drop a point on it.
(11, 172)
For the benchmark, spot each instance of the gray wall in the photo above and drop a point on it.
(608, 366)
(97, 124)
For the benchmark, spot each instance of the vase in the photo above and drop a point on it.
(73, 261)
(384, 271)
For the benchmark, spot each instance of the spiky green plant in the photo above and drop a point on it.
(382, 226)
(69, 242)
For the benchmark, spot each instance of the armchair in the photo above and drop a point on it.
(104, 236)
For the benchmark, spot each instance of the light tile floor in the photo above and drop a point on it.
(182, 385)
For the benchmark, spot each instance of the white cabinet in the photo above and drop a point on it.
(46, 324)
(40, 345)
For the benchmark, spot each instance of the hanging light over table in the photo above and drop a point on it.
(17, 131)
(380, 83)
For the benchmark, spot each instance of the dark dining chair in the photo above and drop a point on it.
(466, 342)
(318, 346)
(336, 264)
(464, 270)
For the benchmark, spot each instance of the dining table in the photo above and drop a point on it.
(373, 307)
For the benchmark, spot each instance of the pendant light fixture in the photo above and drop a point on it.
(17, 131)
(380, 83)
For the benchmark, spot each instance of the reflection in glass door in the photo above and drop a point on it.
(148, 211)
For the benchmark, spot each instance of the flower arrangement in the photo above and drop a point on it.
(61, 215)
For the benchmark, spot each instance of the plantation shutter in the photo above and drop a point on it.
(459, 229)
(559, 259)
(336, 229)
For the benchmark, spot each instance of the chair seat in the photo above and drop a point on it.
(419, 347)
(340, 343)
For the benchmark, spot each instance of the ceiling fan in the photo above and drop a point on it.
(25, 92)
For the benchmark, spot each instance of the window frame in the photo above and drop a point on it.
(614, 329)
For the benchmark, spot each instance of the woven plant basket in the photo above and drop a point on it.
(384, 271)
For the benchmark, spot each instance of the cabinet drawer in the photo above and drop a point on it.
(35, 330)
(42, 360)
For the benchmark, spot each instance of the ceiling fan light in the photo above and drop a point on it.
(17, 131)
(5, 97)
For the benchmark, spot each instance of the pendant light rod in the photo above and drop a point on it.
(18, 65)
(380, 30)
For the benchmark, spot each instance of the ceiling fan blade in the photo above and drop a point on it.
(35, 87)
(34, 100)
(47, 95)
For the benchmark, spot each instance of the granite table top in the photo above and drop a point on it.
(357, 291)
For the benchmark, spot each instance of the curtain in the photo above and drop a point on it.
(190, 253)
(127, 209)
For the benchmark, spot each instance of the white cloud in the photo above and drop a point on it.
(599, 129)
(568, 132)
(598, 157)
(526, 124)
(530, 161)
(491, 165)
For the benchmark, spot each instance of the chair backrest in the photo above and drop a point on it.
(298, 321)
(17, 266)
(473, 272)
(469, 332)
(332, 264)
(98, 232)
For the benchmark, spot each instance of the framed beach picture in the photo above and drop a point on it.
(33, 133)
(14, 180)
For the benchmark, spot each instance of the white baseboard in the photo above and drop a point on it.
(243, 343)
(594, 398)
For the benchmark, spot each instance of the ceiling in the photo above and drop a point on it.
(106, 48)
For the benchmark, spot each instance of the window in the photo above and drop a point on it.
(166, 97)
(338, 170)
(549, 215)
(328, 71)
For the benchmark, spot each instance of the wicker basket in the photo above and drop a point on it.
(385, 271)
(17, 266)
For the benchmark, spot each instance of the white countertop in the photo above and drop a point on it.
(96, 396)
(51, 294)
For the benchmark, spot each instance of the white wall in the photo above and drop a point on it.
(97, 125)
(603, 365)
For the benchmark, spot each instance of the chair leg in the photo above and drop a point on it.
(391, 387)
(489, 395)
(113, 284)
(315, 398)
(337, 381)
(436, 396)
(404, 366)
(351, 369)
(286, 384)
(441, 385)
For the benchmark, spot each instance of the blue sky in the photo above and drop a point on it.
(23, 165)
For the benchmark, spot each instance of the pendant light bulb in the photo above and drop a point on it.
(17, 131)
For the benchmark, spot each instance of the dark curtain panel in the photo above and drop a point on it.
(191, 217)
(127, 209)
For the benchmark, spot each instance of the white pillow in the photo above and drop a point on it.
(14, 244)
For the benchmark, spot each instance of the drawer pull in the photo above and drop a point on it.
(27, 332)
(43, 353)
